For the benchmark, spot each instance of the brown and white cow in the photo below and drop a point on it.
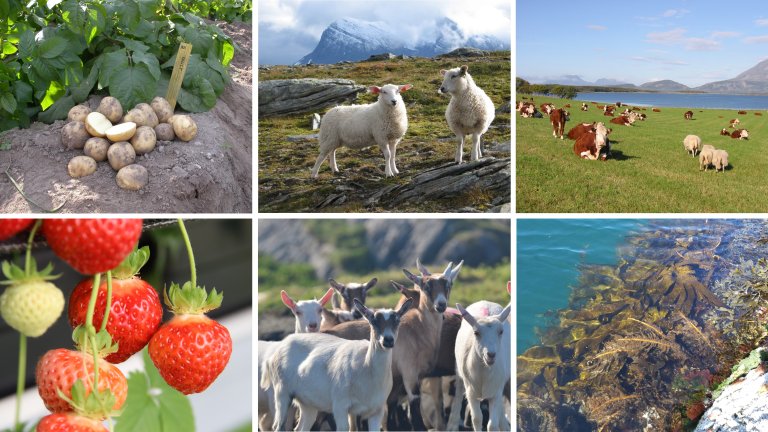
(622, 120)
(558, 118)
(547, 108)
(725, 132)
(742, 112)
(740, 134)
(656, 110)
(584, 106)
(579, 130)
(592, 145)
(734, 122)
(688, 115)
(527, 110)
(567, 106)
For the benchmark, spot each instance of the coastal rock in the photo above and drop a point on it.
(295, 96)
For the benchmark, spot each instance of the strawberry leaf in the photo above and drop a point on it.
(187, 299)
(132, 264)
(152, 405)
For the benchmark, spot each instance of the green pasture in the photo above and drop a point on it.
(649, 172)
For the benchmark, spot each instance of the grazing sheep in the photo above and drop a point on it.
(740, 134)
(705, 157)
(344, 377)
(692, 143)
(383, 123)
(483, 362)
(470, 110)
(720, 160)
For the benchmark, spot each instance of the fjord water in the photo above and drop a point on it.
(679, 100)
(549, 252)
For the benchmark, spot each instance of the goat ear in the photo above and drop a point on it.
(398, 286)
(364, 310)
(422, 269)
(455, 271)
(337, 286)
(466, 315)
(326, 297)
(288, 301)
(404, 307)
(374, 89)
(413, 278)
(371, 283)
(505, 313)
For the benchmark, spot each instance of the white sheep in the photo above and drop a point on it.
(470, 110)
(344, 377)
(705, 157)
(483, 362)
(692, 143)
(382, 123)
(720, 160)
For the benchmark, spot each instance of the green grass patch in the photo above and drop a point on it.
(650, 171)
(284, 167)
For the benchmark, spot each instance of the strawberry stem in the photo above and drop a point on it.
(108, 306)
(91, 330)
(28, 262)
(190, 253)
(21, 380)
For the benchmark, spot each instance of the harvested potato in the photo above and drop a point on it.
(74, 135)
(136, 116)
(78, 113)
(162, 108)
(121, 132)
(149, 114)
(184, 127)
(164, 132)
(111, 109)
(144, 141)
(81, 166)
(120, 154)
(97, 124)
(97, 149)
(132, 177)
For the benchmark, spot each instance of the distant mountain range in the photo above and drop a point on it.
(353, 39)
(751, 81)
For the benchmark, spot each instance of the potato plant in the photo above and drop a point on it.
(54, 53)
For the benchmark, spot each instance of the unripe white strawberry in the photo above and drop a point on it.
(32, 307)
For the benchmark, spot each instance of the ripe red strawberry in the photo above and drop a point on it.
(11, 227)
(191, 350)
(58, 369)
(136, 311)
(69, 422)
(92, 246)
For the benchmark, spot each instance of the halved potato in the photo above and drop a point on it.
(97, 124)
(121, 132)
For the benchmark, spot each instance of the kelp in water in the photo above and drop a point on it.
(643, 342)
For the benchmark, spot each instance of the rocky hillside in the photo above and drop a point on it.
(753, 80)
(664, 85)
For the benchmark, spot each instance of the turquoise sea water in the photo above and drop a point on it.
(679, 100)
(548, 254)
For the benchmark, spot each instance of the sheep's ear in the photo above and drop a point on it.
(337, 286)
(371, 283)
(422, 269)
(455, 271)
(374, 89)
(466, 315)
(404, 308)
(326, 297)
(364, 310)
(442, 72)
(509, 287)
(463, 69)
(505, 313)
(413, 278)
(403, 88)
(288, 301)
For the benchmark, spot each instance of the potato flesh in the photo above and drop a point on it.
(97, 124)
(121, 132)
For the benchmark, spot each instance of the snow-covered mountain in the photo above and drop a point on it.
(353, 39)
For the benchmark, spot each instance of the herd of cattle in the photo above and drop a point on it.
(591, 139)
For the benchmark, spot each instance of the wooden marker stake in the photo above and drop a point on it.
(177, 76)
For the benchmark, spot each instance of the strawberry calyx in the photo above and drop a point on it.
(96, 405)
(132, 264)
(103, 341)
(191, 300)
(17, 275)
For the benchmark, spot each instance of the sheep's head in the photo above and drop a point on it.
(454, 80)
(489, 333)
(390, 94)
(351, 291)
(308, 313)
(384, 323)
(435, 288)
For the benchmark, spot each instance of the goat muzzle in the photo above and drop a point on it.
(388, 342)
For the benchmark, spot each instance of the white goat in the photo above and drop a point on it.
(326, 373)
(308, 313)
(470, 110)
(383, 123)
(483, 362)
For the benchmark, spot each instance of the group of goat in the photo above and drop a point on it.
(358, 364)
(384, 122)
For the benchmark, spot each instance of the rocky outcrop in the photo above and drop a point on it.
(465, 52)
(290, 241)
(295, 96)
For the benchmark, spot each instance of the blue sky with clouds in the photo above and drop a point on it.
(691, 42)
(289, 29)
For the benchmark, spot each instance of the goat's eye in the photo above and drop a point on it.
(477, 333)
